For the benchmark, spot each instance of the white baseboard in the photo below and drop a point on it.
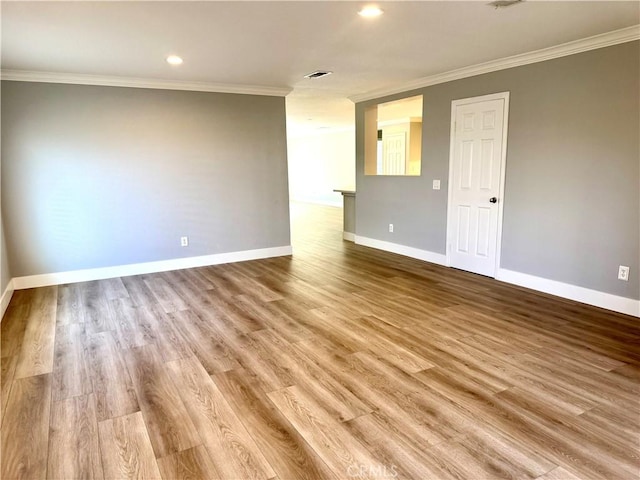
(609, 301)
(628, 306)
(412, 252)
(60, 278)
(596, 298)
(6, 298)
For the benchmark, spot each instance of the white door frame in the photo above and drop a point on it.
(503, 161)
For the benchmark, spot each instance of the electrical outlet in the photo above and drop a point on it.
(184, 241)
(436, 184)
(391, 228)
(623, 273)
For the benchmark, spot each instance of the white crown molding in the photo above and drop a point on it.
(616, 37)
(132, 82)
(598, 41)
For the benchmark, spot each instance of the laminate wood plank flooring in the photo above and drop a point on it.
(233, 450)
(36, 353)
(281, 443)
(25, 428)
(97, 313)
(73, 439)
(170, 427)
(111, 383)
(340, 450)
(71, 377)
(7, 372)
(191, 463)
(126, 448)
(339, 362)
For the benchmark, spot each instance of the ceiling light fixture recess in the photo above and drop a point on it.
(318, 74)
(370, 11)
(174, 60)
(503, 3)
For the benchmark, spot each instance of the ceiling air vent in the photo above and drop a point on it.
(503, 3)
(317, 74)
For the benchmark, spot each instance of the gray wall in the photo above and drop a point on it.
(105, 176)
(572, 202)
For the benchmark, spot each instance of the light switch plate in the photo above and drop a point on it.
(436, 184)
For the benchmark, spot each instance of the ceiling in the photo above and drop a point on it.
(274, 44)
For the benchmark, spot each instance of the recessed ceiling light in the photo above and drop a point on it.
(174, 60)
(370, 11)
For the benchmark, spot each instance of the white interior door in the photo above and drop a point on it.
(394, 147)
(476, 180)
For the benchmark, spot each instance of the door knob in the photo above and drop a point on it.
(493, 199)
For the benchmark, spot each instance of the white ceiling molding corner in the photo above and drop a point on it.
(113, 81)
(616, 37)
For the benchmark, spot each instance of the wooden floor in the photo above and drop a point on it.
(339, 362)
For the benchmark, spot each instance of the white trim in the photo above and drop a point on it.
(349, 236)
(412, 252)
(6, 298)
(60, 278)
(132, 82)
(628, 306)
(596, 298)
(503, 167)
(616, 37)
